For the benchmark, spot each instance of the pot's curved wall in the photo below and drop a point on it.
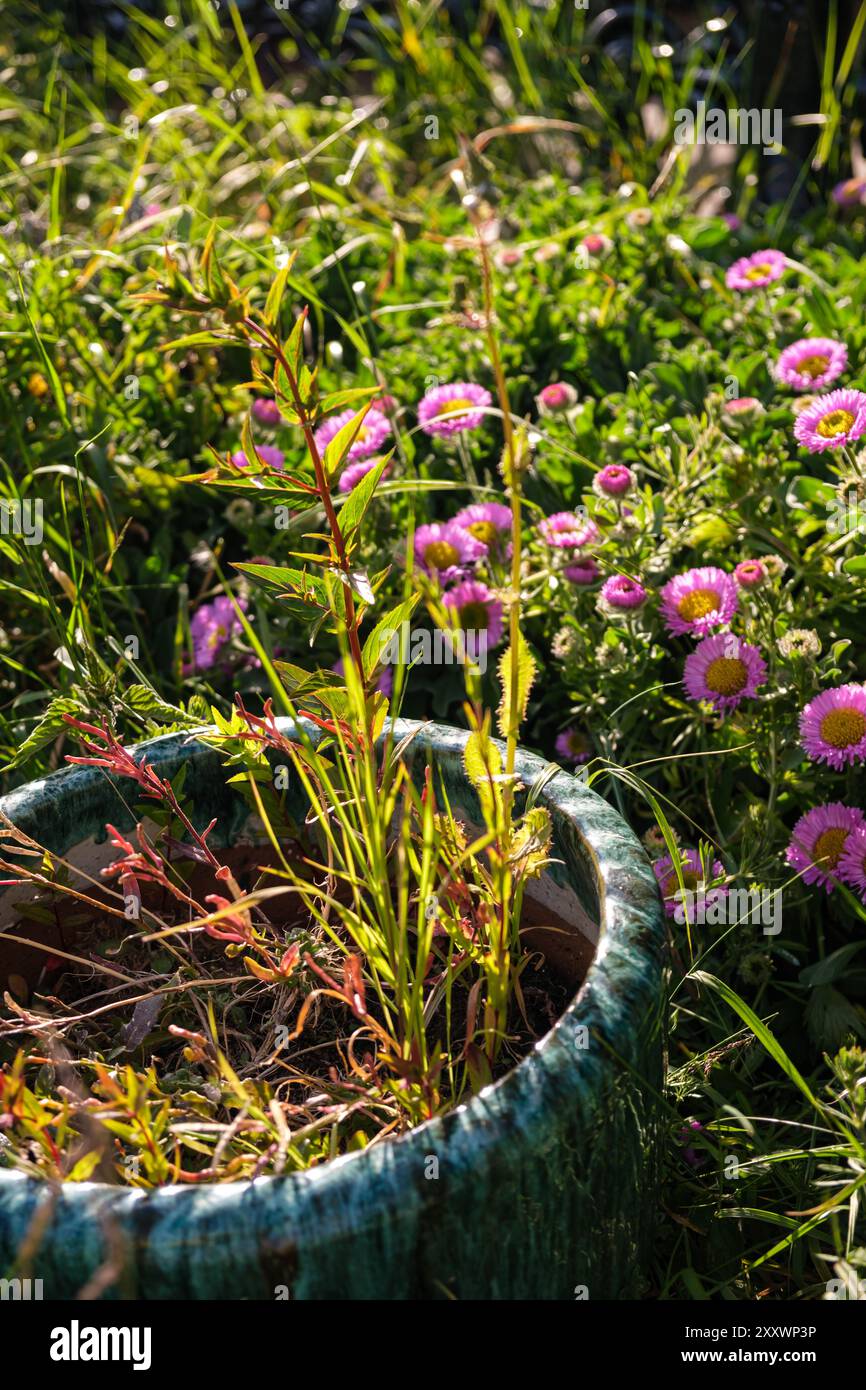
(542, 1186)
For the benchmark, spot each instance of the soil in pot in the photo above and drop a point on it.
(145, 1052)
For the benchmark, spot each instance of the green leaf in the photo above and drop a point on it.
(825, 971)
(525, 677)
(335, 399)
(299, 582)
(358, 500)
(483, 763)
(145, 701)
(391, 622)
(768, 1041)
(46, 731)
(339, 446)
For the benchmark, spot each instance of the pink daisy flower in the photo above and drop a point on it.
(755, 271)
(595, 244)
(506, 257)
(698, 601)
(211, 626)
(833, 726)
(724, 670)
(266, 411)
(555, 398)
(443, 548)
(443, 401)
(819, 840)
(572, 746)
(478, 611)
(750, 574)
(613, 480)
(369, 439)
(488, 522)
(354, 472)
(852, 865)
(568, 531)
(743, 408)
(693, 879)
(811, 363)
(268, 454)
(834, 419)
(622, 592)
(584, 573)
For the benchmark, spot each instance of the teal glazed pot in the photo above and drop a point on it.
(544, 1185)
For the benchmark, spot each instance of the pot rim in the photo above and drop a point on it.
(617, 1000)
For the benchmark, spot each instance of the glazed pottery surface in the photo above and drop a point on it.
(543, 1185)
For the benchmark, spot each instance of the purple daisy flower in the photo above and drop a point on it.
(755, 271)
(267, 454)
(369, 439)
(819, 840)
(555, 398)
(584, 573)
(613, 481)
(478, 611)
(750, 574)
(852, 865)
(693, 879)
(698, 601)
(849, 192)
(462, 396)
(488, 522)
(572, 746)
(354, 472)
(266, 411)
(833, 726)
(568, 531)
(724, 670)
(811, 363)
(211, 626)
(442, 548)
(622, 592)
(834, 419)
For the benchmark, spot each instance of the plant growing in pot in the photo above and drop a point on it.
(294, 1033)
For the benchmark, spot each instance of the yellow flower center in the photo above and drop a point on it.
(690, 881)
(483, 531)
(836, 423)
(461, 403)
(757, 272)
(842, 727)
(727, 675)
(813, 366)
(698, 604)
(828, 847)
(440, 555)
(473, 617)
